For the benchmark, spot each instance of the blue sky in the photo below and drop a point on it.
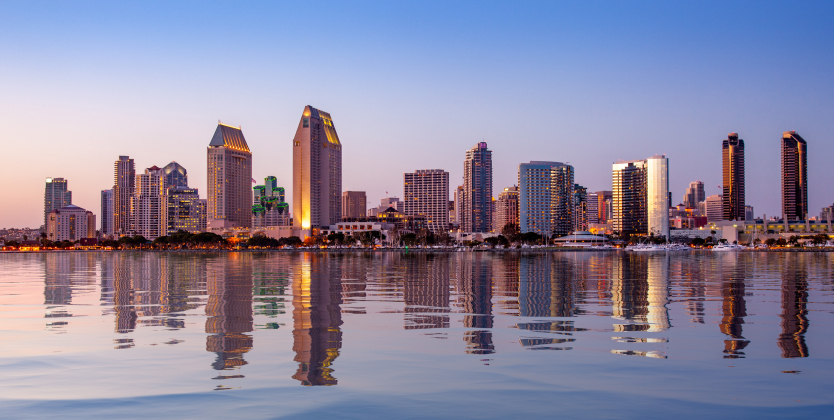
(412, 85)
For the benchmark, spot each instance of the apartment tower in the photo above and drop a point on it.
(149, 206)
(123, 187)
(106, 212)
(794, 177)
(229, 179)
(506, 208)
(733, 163)
(476, 212)
(426, 193)
(657, 195)
(317, 171)
(534, 196)
(354, 205)
(562, 201)
(628, 198)
(55, 196)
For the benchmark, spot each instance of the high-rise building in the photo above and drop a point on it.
(123, 187)
(605, 210)
(476, 212)
(458, 197)
(657, 195)
(794, 177)
(69, 223)
(354, 204)
(748, 214)
(229, 179)
(694, 195)
(733, 163)
(426, 193)
(714, 208)
(562, 203)
(149, 206)
(175, 175)
(628, 198)
(317, 171)
(186, 211)
(55, 196)
(269, 208)
(593, 208)
(534, 197)
(107, 212)
(580, 208)
(506, 208)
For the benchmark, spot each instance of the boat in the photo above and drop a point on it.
(725, 248)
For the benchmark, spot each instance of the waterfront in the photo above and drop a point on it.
(390, 334)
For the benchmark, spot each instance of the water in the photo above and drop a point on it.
(389, 335)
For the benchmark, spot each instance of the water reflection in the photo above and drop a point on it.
(733, 306)
(794, 312)
(426, 291)
(475, 289)
(317, 316)
(229, 311)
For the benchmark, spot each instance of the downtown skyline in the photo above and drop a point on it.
(411, 118)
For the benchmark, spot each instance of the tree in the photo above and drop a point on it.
(781, 242)
(336, 238)
(770, 242)
(493, 241)
(698, 242)
(529, 237)
(510, 231)
(409, 239)
(793, 240)
(262, 241)
(444, 238)
(819, 239)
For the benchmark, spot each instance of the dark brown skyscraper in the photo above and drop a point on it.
(733, 160)
(794, 177)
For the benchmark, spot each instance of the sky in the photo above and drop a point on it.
(412, 85)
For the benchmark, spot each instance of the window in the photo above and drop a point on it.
(306, 123)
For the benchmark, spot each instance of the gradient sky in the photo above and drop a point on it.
(412, 86)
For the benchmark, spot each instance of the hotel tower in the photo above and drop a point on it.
(733, 162)
(317, 172)
(794, 177)
(229, 179)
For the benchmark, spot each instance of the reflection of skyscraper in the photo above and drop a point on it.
(475, 290)
(317, 316)
(794, 310)
(426, 291)
(629, 292)
(123, 293)
(229, 311)
(658, 293)
(733, 308)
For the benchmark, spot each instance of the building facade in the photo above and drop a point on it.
(794, 177)
(70, 223)
(628, 198)
(580, 208)
(476, 211)
(269, 208)
(317, 171)
(354, 204)
(657, 196)
(733, 164)
(605, 207)
(124, 185)
(534, 197)
(107, 213)
(562, 202)
(506, 209)
(229, 179)
(426, 193)
(175, 175)
(714, 208)
(55, 196)
(694, 194)
(149, 206)
(186, 211)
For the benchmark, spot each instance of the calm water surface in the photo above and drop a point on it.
(390, 335)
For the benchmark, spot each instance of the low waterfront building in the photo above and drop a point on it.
(70, 223)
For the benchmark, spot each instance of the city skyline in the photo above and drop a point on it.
(604, 86)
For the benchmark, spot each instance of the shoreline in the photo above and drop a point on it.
(412, 250)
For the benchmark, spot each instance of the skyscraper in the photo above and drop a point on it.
(186, 211)
(458, 203)
(175, 175)
(694, 195)
(269, 207)
(506, 209)
(229, 179)
(426, 193)
(476, 212)
(562, 203)
(714, 208)
(123, 187)
(604, 206)
(629, 197)
(580, 208)
(106, 212)
(354, 205)
(149, 206)
(593, 208)
(55, 196)
(657, 195)
(317, 171)
(733, 162)
(534, 197)
(794, 177)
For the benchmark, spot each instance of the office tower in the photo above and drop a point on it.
(592, 207)
(426, 193)
(317, 171)
(628, 197)
(269, 208)
(106, 212)
(354, 205)
(604, 206)
(69, 223)
(229, 179)
(733, 162)
(748, 213)
(562, 204)
(534, 197)
(175, 175)
(714, 208)
(149, 206)
(476, 212)
(657, 195)
(506, 209)
(55, 196)
(794, 177)
(123, 187)
(186, 211)
(458, 197)
(580, 208)
(694, 195)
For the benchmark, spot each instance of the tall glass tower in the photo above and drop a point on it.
(55, 196)
(476, 214)
(794, 177)
(733, 162)
(657, 195)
